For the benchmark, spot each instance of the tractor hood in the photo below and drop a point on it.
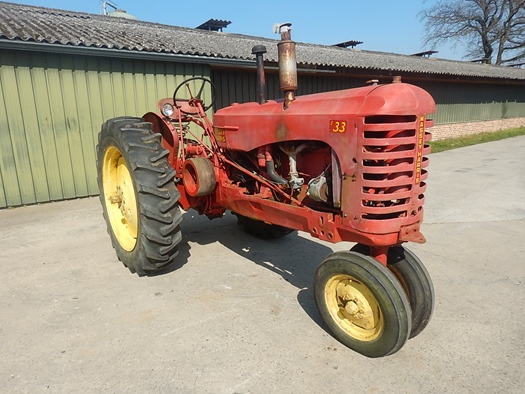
(311, 117)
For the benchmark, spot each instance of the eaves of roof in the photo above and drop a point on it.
(38, 28)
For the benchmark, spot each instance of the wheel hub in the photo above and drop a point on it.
(355, 308)
(117, 197)
(351, 308)
(120, 198)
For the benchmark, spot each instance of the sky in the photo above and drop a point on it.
(382, 25)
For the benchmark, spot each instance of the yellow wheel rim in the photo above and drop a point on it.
(119, 194)
(353, 308)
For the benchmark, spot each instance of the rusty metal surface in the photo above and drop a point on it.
(287, 65)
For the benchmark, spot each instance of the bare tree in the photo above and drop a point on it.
(494, 30)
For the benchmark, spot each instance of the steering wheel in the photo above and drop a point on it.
(192, 101)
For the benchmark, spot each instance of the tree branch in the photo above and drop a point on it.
(487, 26)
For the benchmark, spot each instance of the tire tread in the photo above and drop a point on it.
(156, 193)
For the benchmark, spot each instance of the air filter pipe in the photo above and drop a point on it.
(259, 51)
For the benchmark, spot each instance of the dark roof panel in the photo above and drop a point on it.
(59, 27)
(213, 25)
(346, 44)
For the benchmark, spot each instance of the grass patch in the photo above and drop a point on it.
(453, 143)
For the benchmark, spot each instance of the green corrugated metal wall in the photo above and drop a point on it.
(52, 106)
(51, 109)
(239, 86)
(456, 102)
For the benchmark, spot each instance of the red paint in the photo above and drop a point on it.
(368, 144)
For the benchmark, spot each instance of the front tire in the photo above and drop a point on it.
(138, 195)
(362, 303)
(416, 282)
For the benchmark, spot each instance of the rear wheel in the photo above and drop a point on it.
(262, 230)
(416, 282)
(138, 195)
(362, 303)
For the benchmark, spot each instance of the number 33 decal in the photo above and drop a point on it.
(337, 126)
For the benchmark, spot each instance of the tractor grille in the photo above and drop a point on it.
(392, 162)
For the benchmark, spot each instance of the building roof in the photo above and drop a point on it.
(22, 24)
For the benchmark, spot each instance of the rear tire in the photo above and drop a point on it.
(260, 229)
(138, 195)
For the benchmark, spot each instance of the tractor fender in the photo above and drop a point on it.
(166, 129)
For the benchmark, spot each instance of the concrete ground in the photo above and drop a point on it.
(237, 315)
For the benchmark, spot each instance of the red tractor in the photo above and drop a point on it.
(347, 165)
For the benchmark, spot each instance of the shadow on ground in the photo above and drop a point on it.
(293, 257)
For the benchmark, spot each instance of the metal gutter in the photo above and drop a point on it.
(138, 55)
(120, 53)
(241, 63)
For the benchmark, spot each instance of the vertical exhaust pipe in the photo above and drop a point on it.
(287, 63)
(259, 51)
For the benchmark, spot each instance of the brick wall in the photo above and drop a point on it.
(451, 130)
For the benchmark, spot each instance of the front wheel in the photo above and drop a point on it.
(416, 282)
(138, 195)
(362, 303)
